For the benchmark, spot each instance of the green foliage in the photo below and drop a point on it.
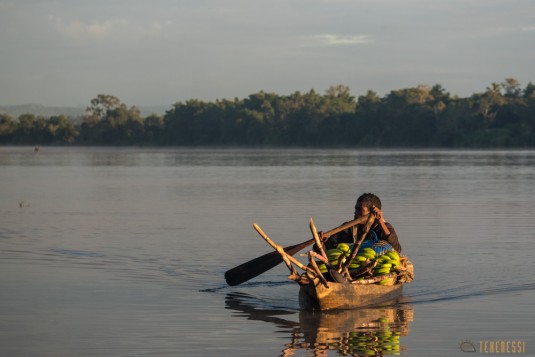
(8, 127)
(501, 116)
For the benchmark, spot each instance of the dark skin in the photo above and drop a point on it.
(362, 210)
(366, 204)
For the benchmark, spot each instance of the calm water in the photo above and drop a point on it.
(121, 252)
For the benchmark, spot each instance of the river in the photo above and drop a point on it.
(122, 251)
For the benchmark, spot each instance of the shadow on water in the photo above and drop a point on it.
(372, 331)
(262, 284)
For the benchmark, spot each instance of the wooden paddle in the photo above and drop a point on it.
(257, 266)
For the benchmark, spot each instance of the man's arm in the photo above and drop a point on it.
(392, 238)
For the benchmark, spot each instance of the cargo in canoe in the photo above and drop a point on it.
(338, 287)
(313, 294)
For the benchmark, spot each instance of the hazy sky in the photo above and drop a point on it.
(158, 52)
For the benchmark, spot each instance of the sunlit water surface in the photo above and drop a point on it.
(121, 252)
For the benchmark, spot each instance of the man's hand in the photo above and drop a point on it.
(378, 213)
(379, 217)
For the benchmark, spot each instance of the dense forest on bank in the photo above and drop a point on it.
(501, 116)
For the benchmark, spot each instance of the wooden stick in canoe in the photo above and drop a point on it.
(367, 227)
(317, 239)
(257, 266)
(288, 259)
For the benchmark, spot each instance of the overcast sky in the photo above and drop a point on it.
(158, 52)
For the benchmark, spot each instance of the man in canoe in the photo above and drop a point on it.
(381, 231)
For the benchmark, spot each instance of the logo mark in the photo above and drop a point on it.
(467, 346)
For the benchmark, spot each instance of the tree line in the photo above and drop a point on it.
(424, 116)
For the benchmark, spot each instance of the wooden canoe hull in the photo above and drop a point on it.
(345, 296)
(315, 296)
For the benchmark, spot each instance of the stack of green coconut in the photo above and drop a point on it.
(385, 262)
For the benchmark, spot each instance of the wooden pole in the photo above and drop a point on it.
(317, 239)
(319, 256)
(279, 248)
(319, 274)
(374, 279)
(363, 270)
(367, 227)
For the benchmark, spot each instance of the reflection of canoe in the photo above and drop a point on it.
(358, 332)
(364, 331)
(315, 295)
(338, 323)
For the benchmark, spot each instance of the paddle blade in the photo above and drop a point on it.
(257, 266)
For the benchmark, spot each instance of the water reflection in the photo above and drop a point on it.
(361, 332)
(171, 157)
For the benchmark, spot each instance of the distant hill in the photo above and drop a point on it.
(71, 112)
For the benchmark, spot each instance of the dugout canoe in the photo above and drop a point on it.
(315, 295)
(332, 289)
(338, 296)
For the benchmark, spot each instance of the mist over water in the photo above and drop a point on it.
(122, 251)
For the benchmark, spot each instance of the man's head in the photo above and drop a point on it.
(365, 204)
